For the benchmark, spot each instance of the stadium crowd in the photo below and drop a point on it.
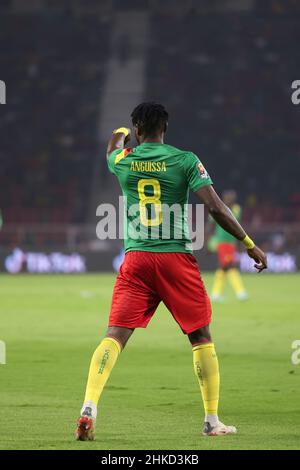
(49, 125)
(227, 87)
(233, 94)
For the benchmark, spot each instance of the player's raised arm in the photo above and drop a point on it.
(120, 137)
(225, 218)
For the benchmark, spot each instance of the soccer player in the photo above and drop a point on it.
(153, 176)
(227, 254)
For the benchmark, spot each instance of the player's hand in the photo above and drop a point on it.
(259, 257)
(128, 137)
(123, 130)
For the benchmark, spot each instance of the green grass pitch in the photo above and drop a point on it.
(51, 326)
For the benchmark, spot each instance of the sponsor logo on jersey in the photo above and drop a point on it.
(148, 166)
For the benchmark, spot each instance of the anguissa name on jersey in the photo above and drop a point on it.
(148, 166)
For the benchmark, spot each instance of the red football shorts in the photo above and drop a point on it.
(147, 278)
(226, 254)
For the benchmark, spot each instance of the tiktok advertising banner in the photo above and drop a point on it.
(18, 260)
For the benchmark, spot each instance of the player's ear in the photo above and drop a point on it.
(166, 127)
(137, 131)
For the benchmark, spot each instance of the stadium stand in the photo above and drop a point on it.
(240, 120)
(49, 126)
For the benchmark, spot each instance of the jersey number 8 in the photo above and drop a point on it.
(154, 199)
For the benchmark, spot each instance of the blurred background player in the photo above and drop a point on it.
(225, 245)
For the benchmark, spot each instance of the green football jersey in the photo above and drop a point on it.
(155, 180)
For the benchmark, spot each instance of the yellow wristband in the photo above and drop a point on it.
(122, 130)
(249, 244)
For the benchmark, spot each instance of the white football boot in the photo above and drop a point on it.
(219, 430)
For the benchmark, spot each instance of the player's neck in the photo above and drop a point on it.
(152, 140)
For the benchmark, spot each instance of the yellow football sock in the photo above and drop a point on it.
(218, 283)
(102, 363)
(206, 368)
(235, 280)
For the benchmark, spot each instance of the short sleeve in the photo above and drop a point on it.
(196, 174)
